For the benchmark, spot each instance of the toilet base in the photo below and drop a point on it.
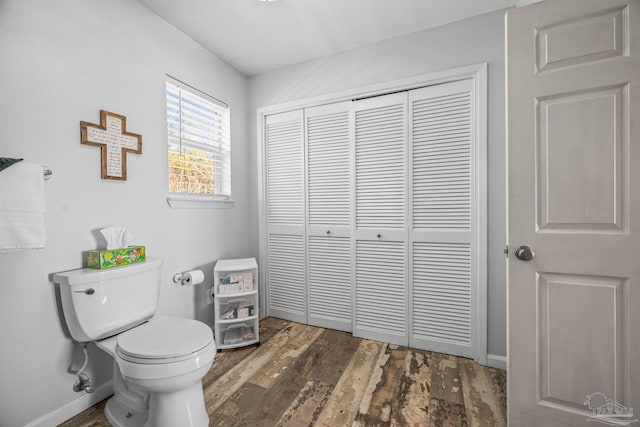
(120, 415)
(185, 408)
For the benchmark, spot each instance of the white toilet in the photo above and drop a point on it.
(158, 363)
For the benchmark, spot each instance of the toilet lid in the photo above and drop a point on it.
(165, 337)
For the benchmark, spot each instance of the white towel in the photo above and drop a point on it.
(22, 207)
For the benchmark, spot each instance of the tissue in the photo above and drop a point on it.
(116, 237)
(193, 277)
(119, 250)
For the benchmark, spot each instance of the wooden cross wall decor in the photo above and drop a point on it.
(114, 141)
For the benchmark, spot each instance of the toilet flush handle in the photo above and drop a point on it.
(89, 291)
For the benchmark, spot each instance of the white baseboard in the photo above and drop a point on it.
(495, 361)
(74, 407)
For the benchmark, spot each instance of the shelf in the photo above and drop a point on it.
(231, 265)
(240, 344)
(238, 294)
(238, 328)
(238, 320)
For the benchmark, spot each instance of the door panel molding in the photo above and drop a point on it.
(582, 352)
(582, 39)
(595, 201)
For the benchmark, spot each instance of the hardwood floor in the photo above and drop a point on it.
(306, 376)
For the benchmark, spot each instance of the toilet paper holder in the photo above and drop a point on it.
(192, 277)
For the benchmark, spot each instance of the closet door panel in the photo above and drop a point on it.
(380, 295)
(285, 169)
(441, 157)
(328, 139)
(286, 277)
(285, 202)
(442, 209)
(380, 139)
(328, 165)
(329, 282)
(441, 312)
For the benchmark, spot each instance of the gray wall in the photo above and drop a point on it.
(62, 62)
(471, 41)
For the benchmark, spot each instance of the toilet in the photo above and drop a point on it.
(159, 362)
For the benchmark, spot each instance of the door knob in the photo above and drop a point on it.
(524, 253)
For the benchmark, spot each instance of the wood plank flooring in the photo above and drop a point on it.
(306, 376)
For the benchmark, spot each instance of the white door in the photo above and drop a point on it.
(573, 129)
(285, 247)
(328, 136)
(444, 219)
(380, 293)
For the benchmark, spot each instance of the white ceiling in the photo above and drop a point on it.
(254, 36)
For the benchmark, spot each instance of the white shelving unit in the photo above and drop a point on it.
(235, 303)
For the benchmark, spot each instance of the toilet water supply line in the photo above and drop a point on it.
(83, 383)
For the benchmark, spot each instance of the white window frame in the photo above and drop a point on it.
(193, 200)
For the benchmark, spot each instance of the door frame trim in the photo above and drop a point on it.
(479, 76)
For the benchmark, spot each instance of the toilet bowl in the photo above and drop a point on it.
(159, 362)
(162, 361)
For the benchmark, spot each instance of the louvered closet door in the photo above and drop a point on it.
(284, 161)
(380, 236)
(442, 212)
(328, 216)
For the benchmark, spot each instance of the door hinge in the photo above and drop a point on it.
(506, 251)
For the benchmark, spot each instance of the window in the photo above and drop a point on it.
(199, 145)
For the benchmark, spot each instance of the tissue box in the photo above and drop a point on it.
(115, 257)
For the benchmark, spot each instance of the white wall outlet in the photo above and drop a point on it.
(210, 296)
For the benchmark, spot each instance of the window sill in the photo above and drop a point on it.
(195, 202)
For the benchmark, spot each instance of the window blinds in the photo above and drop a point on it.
(199, 143)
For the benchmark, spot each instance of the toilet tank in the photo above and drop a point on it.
(101, 303)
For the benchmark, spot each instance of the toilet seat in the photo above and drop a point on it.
(156, 349)
(164, 340)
